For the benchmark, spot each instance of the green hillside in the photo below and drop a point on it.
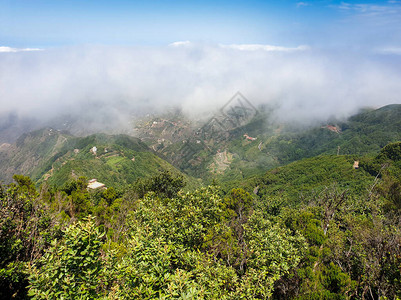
(260, 145)
(57, 157)
(264, 144)
(300, 181)
(308, 176)
(321, 227)
(30, 153)
(314, 229)
(280, 144)
(363, 133)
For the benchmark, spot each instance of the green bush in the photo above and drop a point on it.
(74, 267)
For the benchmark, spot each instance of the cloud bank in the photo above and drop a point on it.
(105, 87)
(9, 49)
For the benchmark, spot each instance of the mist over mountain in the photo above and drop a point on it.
(105, 88)
(200, 149)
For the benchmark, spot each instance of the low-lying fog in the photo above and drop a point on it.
(103, 88)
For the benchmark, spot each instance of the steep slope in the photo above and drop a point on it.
(308, 177)
(312, 175)
(263, 143)
(30, 152)
(202, 151)
(56, 157)
(299, 182)
(366, 132)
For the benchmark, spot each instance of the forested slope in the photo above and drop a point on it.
(272, 219)
(263, 143)
(299, 236)
(56, 157)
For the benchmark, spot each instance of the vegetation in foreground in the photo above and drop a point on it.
(316, 238)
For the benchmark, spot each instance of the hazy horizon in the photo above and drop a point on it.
(109, 61)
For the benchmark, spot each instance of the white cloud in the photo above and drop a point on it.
(245, 47)
(104, 86)
(181, 44)
(9, 49)
(391, 8)
(343, 5)
(257, 47)
(301, 4)
(390, 50)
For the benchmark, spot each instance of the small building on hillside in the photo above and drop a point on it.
(333, 128)
(356, 164)
(247, 137)
(93, 150)
(94, 184)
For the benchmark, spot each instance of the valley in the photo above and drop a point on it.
(258, 210)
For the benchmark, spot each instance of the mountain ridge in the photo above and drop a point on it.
(239, 153)
(56, 157)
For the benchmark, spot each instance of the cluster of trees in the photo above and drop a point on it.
(152, 240)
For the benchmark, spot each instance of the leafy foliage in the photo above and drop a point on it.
(72, 268)
(26, 230)
(314, 229)
(164, 184)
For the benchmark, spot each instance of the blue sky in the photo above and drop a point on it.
(43, 23)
